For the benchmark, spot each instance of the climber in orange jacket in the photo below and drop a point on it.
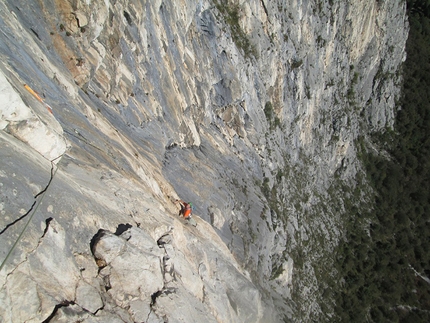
(186, 209)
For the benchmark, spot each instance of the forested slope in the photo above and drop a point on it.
(385, 260)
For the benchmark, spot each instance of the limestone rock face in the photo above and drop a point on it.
(252, 110)
(41, 132)
(128, 271)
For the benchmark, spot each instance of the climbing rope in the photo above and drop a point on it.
(34, 209)
(37, 96)
(42, 193)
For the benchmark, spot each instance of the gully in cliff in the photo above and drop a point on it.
(186, 211)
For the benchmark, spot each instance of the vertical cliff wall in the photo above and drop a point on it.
(249, 109)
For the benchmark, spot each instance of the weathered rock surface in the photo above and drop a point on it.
(251, 110)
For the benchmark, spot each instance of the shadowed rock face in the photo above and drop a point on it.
(111, 110)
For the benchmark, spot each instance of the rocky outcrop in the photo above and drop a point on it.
(110, 110)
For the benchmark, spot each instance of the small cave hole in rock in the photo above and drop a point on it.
(122, 228)
(154, 296)
(128, 18)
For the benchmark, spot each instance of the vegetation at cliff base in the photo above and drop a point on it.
(385, 265)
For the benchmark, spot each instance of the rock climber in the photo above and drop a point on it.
(186, 209)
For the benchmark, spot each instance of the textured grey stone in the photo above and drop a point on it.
(88, 297)
(131, 272)
(153, 101)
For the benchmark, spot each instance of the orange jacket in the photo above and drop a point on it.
(186, 208)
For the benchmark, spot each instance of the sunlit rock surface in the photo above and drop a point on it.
(111, 110)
